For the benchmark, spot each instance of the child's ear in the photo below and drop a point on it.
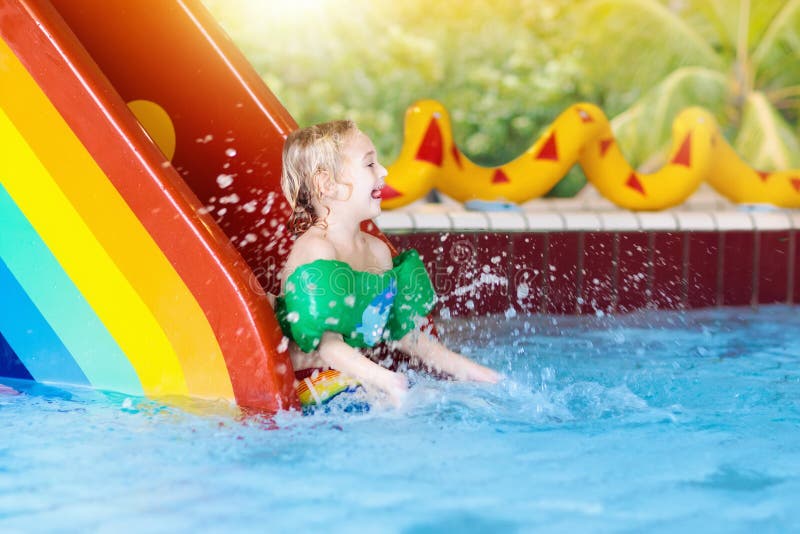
(324, 183)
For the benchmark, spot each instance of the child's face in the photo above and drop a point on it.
(365, 175)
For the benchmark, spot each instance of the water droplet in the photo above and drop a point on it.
(284, 344)
(523, 290)
(224, 180)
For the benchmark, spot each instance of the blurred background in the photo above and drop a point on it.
(505, 69)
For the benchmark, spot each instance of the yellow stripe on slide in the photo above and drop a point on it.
(155, 318)
(105, 288)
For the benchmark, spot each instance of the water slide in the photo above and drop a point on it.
(139, 203)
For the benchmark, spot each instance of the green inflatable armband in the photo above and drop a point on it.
(328, 295)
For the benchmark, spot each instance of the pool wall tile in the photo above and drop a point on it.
(545, 222)
(581, 221)
(562, 273)
(668, 271)
(657, 221)
(773, 263)
(765, 221)
(432, 221)
(469, 220)
(501, 221)
(479, 272)
(493, 273)
(737, 268)
(730, 221)
(635, 271)
(598, 288)
(389, 221)
(694, 222)
(622, 221)
(457, 273)
(527, 268)
(703, 268)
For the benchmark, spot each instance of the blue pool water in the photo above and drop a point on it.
(655, 422)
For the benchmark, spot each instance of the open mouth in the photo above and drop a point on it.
(376, 193)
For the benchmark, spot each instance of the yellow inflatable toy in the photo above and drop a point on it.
(581, 134)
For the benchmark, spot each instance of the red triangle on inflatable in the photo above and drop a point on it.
(763, 175)
(604, 145)
(634, 183)
(430, 149)
(389, 192)
(456, 155)
(795, 183)
(500, 177)
(684, 154)
(549, 150)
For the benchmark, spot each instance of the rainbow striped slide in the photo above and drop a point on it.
(110, 275)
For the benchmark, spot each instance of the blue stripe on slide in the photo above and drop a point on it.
(61, 303)
(31, 338)
(10, 366)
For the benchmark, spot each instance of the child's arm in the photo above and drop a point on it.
(435, 355)
(345, 359)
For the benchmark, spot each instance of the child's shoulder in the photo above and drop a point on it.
(307, 248)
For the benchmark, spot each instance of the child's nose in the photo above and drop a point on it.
(382, 171)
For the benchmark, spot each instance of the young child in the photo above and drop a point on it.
(341, 288)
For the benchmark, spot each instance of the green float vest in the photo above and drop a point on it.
(328, 295)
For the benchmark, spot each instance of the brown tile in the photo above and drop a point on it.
(493, 273)
(773, 267)
(598, 287)
(703, 273)
(668, 264)
(561, 272)
(737, 268)
(456, 274)
(635, 271)
(527, 271)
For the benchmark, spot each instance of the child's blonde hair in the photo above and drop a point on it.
(307, 152)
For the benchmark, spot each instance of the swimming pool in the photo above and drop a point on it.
(654, 421)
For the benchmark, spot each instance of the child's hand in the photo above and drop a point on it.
(396, 389)
(479, 373)
(484, 374)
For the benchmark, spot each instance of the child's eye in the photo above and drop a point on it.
(370, 165)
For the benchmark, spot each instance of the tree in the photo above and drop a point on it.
(736, 58)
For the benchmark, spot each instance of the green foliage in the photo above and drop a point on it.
(644, 130)
(766, 136)
(737, 58)
(505, 69)
(501, 68)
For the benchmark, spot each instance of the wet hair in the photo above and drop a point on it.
(306, 153)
